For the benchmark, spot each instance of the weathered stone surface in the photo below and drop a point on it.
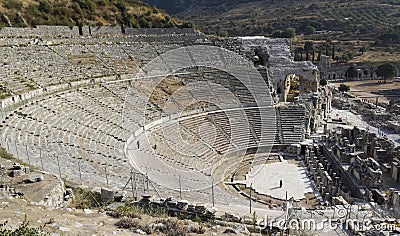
(16, 173)
(241, 229)
(107, 195)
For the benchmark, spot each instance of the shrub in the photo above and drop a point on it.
(127, 223)
(103, 2)
(23, 229)
(86, 199)
(144, 23)
(124, 211)
(13, 4)
(351, 72)
(4, 154)
(344, 88)
(172, 228)
(323, 82)
(45, 6)
(155, 10)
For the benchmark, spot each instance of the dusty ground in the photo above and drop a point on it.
(59, 221)
(370, 88)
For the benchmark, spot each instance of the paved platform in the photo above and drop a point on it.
(266, 180)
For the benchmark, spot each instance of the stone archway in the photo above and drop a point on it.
(295, 80)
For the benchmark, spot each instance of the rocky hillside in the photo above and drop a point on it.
(131, 13)
(363, 19)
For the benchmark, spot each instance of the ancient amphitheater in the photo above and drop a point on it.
(102, 109)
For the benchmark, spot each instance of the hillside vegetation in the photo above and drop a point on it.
(360, 31)
(131, 13)
(351, 19)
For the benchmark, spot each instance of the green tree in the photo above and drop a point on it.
(387, 71)
(323, 82)
(309, 30)
(45, 6)
(144, 23)
(319, 56)
(351, 72)
(298, 54)
(277, 34)
(344, 88)
(289, 33)
(308, 46)
(15, 4)
(224, 33)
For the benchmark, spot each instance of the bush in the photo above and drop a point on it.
(127, 223)
(344, 88)
(124, 211)
(13, 4)
(144, 23)
(323, 82)
(351, 72)
(45, 6)
(23, 229)
(172, 228)
(103, 2)
(136, 211)
(4, 154)
(156, 11)
(86, 199)
(287, 33)
(224, 33)
(87, 5)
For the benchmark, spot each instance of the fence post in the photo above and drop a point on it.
(106, 175)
